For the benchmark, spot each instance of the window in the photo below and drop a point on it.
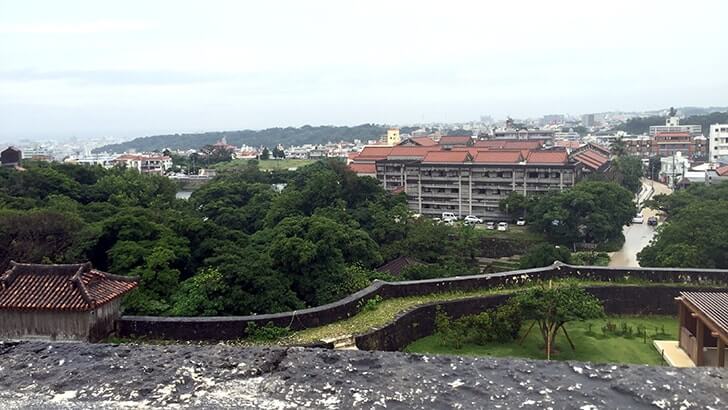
(533, 174)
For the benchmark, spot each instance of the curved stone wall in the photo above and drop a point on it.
(233, 327)
(419, 322)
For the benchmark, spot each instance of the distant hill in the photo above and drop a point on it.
(642, 125)
(269, 137)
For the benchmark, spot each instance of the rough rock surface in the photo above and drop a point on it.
(79, 375)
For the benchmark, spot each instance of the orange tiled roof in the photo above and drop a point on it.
(722, 171)
(424, 141)
(547, 157)
(672, 134)
(509, 144)
(444, 157)
(75, 287)
(363, 168)
(499, 157)
(455, 140)
(374, 153)
(591, 159)
(410, 151)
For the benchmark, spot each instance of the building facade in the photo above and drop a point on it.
(718, 142)
(466, 180)
(672, 124)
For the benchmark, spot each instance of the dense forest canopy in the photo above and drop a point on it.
(642, 125)
(267, 137)
(697, 232)
(239, 246)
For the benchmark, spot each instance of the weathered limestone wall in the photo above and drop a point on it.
(232, 327)
(420, 321)
(100, 376)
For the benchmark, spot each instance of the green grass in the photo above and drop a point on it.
(594, 345)
(268, 164)
(388, 309)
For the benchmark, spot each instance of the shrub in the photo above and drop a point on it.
(266, 333)
(370, 304)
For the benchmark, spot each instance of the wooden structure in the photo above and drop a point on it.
(703, 331)
(67, 302)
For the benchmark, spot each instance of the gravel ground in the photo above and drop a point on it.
(79, 375)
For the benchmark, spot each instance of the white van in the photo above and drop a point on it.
(449, 217)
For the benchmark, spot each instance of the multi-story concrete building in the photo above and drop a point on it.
(466, 180)
(672, 124)
(392, 137)
(149, 164)
(718, 143)
(665, 144)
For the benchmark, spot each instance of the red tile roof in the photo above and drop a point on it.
(509, 144)
(374, 153)
(672, 134)
(444, 157)
(498, 157)
(722, 171)
(363, 168)
(455, 140)
(547, 157)
(423, 141)
(591, 159)
(411, 152)
(75, 287)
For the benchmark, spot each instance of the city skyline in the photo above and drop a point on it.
(141, 69)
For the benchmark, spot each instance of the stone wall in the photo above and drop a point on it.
(420, 321)
(232, 327)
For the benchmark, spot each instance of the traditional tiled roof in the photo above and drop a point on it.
(672, 134)
(363, 168)
(373, 153)
(591, 159)
(396, 266)
(423, 141)
(498, 157)
(722, 171)
(74, 287)
(547, 157)
(509, 144)
(411, 152)
(455, 140)
(446, 157)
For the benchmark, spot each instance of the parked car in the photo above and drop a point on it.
(520, 222)
(449, 217)
(638, 219)
(472, 219)
(652, 221)
(490, 225)
(502, 226)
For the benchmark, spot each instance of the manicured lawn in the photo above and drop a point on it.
(591, 345)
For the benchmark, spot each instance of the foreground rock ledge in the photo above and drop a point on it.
(79, 375)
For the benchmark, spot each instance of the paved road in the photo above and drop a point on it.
(637, 236)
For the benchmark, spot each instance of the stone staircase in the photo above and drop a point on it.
(345, 342)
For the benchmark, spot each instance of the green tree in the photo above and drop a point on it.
(591, 211)
(544, 255)
(618, 148)
(265, 155)
(515, 204)
(553, 307)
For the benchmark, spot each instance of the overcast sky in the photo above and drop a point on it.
(133, 68)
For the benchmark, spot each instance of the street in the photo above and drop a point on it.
(637, 236)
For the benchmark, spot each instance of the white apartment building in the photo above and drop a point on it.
(719, 143)
(673, 168)
(672, 124)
